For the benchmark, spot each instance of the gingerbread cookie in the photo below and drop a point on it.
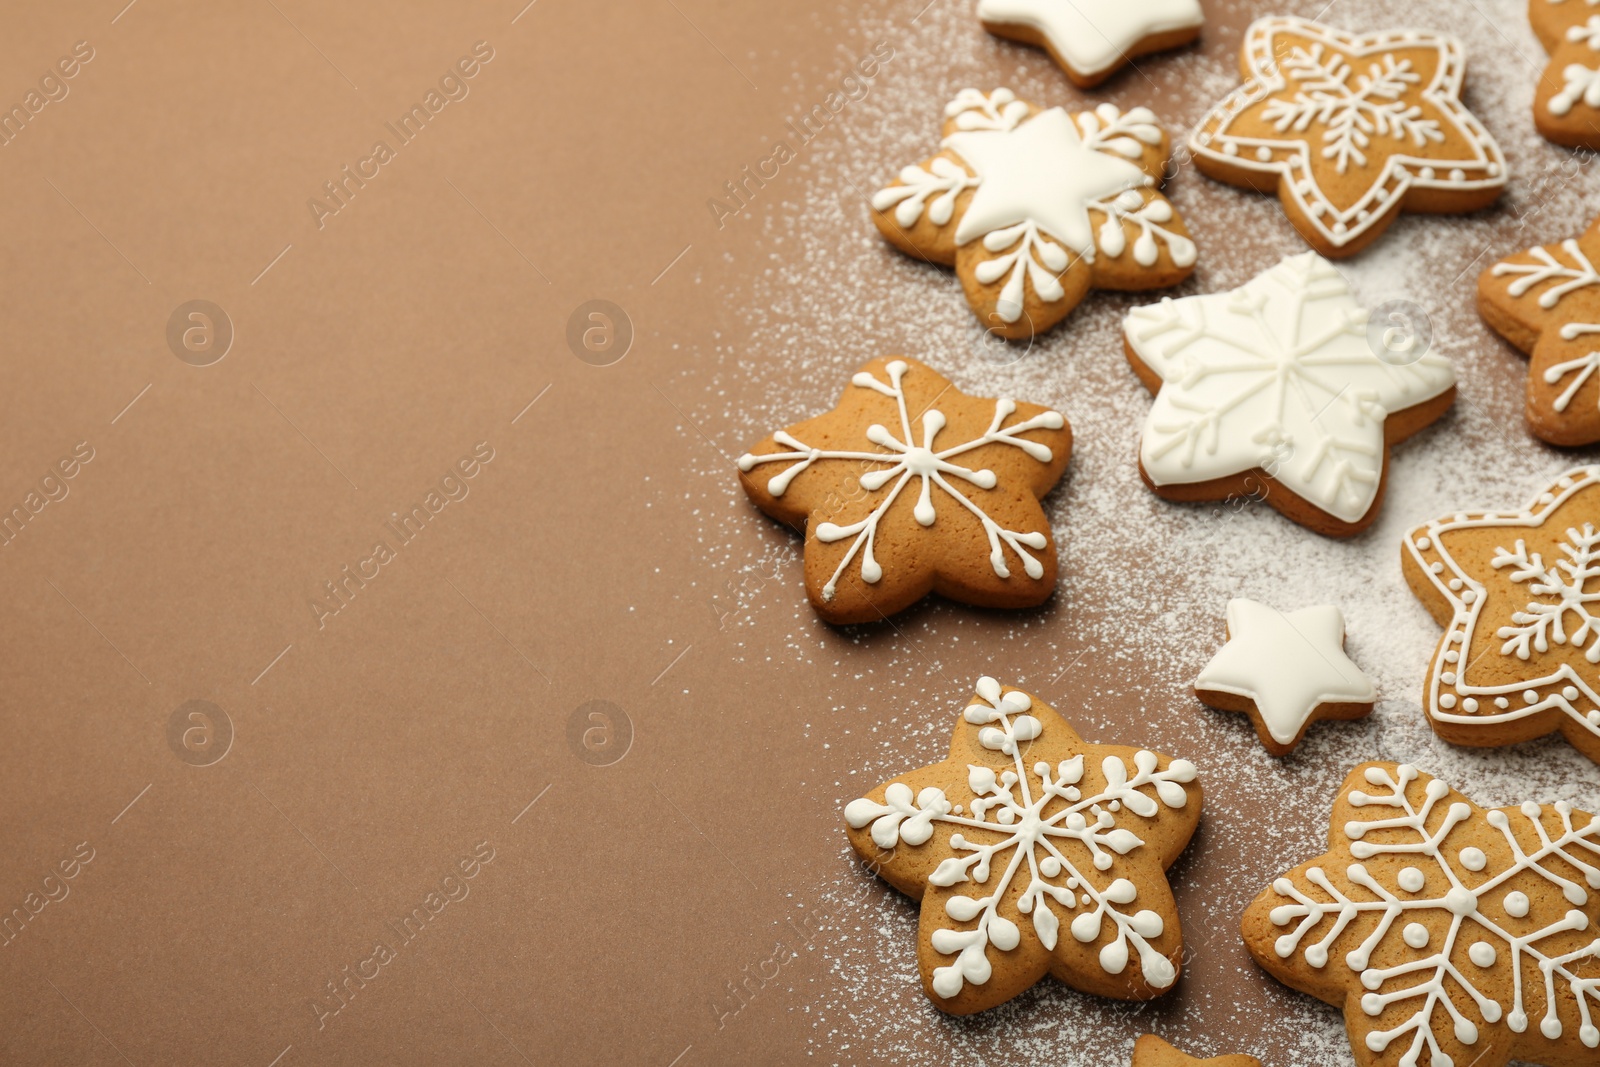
(910, 486)
(1350, 129)
(1514, 591)
(1151, 1051)
(1276, 385)
(1032, 853)
(1546, 301)
(1285, 671)
(1447, 933)
(1092, 39)
(1035, 207)
(1566, 104)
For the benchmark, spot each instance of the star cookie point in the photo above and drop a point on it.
(1152, 1051)
(1566, 102)
(1092, 39)
(1033, 852)
(1352, 129)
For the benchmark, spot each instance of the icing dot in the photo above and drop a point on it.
(1448, 700)
(1473, 859)
(1448, 677)
(1087, 900)
(1049, 866)
(1483, 954)
(1426, 174)
(1231, 149)
(1423, 543)
(1594, 717)
(1411, 880)
(1456, 174)
(1436, 567)
(1452, 656)
(1469, 704)
(1530, 696)
(1501, 702)
(1570, 692)
(1455, 583)
(1469, 596)
(1416, 935)
(1516, 905)
(1264, 154)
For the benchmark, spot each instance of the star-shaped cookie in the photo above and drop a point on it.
(1151, 1051)
(1350, 129)
(1285, 671)
(1033, 852)
(1092, 39)
(1275, 384)
(1546, 301)
(1518, 593)
(1566, 104)
(910, 486)
(1449, 934)
(1034, 207)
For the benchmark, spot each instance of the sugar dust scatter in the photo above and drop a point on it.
(1144, 582)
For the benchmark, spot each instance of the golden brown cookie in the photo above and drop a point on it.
(1276, 389)
(1447, 933)
(1546, 301)
(1286, 671)
(1035, 207)
(910, 486)
(1092, 39)
(1350, 129)
(1566, 104)
(1151, 1051)
(1033, 852)
(1514, 591)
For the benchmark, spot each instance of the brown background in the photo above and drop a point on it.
(605, 552)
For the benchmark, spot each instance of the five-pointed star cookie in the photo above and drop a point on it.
(1151, 1051)
(1566, 104)
(1092, 39)
(1518, 593)
(1033, 852)
(1350, 129)
(910, 486)
(1285, 671)
(1447, 933)
(1546, 301)
(1275, 384)
(1034, 207)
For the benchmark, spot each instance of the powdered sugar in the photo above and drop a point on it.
(1144, 582)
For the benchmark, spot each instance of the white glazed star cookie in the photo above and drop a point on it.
(1286, 671)
(1093, 39)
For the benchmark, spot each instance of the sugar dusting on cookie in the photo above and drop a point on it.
(1143, 581)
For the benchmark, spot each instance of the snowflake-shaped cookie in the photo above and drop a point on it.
(1276, 380)
(1033, 852)
(1566, 105)
(1546, 301)
(1450, 935)
(1354, 128)
(910, 486)
(1092, 39)
(1034, 207)
(1518, 593)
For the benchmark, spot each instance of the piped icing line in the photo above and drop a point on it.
(1275, 373)
(1577, 274)
(1360, 104)
(1445, 875)
(1551, 599)
(901, 461)
(1021, 797)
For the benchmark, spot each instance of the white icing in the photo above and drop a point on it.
(1441, 993)
(1287, 664)
(1035, 182)
(1570, 277)
(1352, 84)
(1276, 374)
(1093, 36)
(1556, 614)
(1581, 367)
(898, 460)
(1034, 809)
(1581, 83)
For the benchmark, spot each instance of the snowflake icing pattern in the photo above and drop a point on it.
(1374, 106)
(1039, 822)
(1277, 375)
(1499, 951)
(900, 461)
